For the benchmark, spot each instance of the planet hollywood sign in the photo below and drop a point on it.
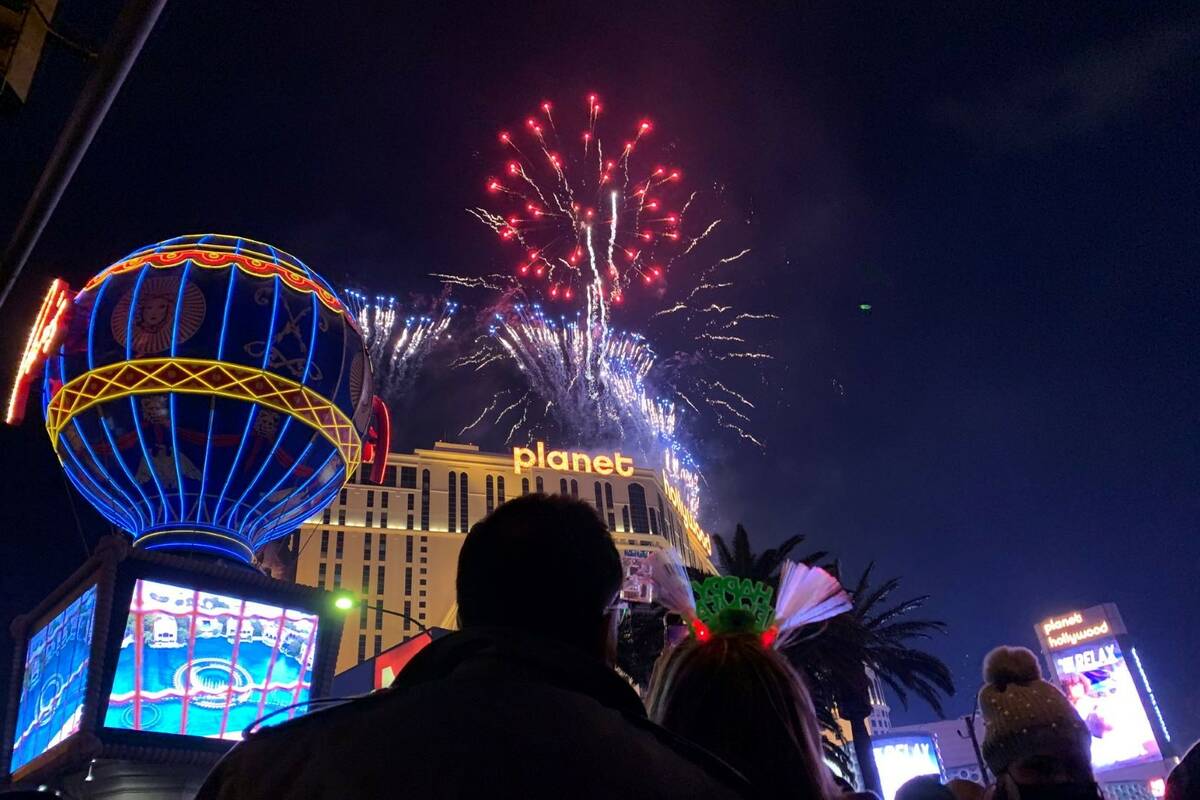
(525, 458)
(537, 457)
(1076, 627)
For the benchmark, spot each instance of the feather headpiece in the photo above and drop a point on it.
(728, 604)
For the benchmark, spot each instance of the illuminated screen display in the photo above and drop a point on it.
(637, 586)
(1097, 680)
(899, 759)
(205, 664)
(56, 667)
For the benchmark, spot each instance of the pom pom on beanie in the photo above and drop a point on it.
(1006, 665)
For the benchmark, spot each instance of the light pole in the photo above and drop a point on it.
(346, 602)
(969, 719)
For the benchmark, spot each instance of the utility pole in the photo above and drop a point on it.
(129, 33)
(969, 719)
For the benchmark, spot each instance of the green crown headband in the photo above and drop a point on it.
(729, 605)
(734, 605)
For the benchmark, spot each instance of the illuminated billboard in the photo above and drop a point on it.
(1097, 680)
(637, 585)
(899, 759)
(52, 692)
(203, 664)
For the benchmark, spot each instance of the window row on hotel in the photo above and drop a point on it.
(637, 516)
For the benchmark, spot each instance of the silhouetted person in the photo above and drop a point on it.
(1184, 781)
(521, 703)
(1034, 741)
(963, 789)
(745, 703)
(924, 787)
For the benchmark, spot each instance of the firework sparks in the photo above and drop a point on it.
(587, 225)
(584, 218)
(398, 338)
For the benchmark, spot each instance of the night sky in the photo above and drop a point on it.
(1012, 428)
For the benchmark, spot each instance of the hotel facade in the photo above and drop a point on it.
(395, 546)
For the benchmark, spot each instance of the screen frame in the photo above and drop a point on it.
(883, 739)
(93, 573)
(114, 567)
(226, 580)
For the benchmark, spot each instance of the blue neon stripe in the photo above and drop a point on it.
(248, 518)
(307, 508)
(253, 407)
(233, 273)
(212, 408)
(238, 555)
(87, 486)
(133, 406)
(149, 515)
(212, 411)
(294, 497)
(100, 505)
(174, 350)
(281, 436)
(91, 350)
(111, 505)
(112, 443)
(289, 522)
(131, 523)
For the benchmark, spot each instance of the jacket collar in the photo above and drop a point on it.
(511, 654)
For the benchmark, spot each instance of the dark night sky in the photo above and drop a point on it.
(1012, 428)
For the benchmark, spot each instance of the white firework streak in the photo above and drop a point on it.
(492, 282)
(672, 310)
(482, 414)
(513, 430)
(736, 395)
(397, 343)
(748, 356)
(740, 318)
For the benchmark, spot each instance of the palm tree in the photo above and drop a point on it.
(743, 562)
(876, 638)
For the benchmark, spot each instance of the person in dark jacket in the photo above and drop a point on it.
(522, 702)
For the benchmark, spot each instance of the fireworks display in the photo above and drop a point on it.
(582, 217)
(398, 337)
(588, 224)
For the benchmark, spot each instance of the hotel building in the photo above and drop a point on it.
(396, 545)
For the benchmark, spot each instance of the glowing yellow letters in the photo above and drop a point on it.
(563, 461)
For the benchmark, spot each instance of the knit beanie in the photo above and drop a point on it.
(1024, 715)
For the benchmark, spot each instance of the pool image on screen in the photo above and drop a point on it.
(52, 691)
(205, 664)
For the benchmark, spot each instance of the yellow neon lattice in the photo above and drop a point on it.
(203, 376)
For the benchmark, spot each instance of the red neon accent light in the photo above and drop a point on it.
(381, 433)
(769, 636)
(703, 634)
(44, 337)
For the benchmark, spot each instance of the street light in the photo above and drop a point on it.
(345, 602)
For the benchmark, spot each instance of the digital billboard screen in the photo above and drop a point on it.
(899, 759)
(203, 664)
(52, 689)
(1097, 680)
(636, 586)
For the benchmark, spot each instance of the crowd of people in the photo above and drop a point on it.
(523, 701)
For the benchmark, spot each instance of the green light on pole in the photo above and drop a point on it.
(344, 602)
